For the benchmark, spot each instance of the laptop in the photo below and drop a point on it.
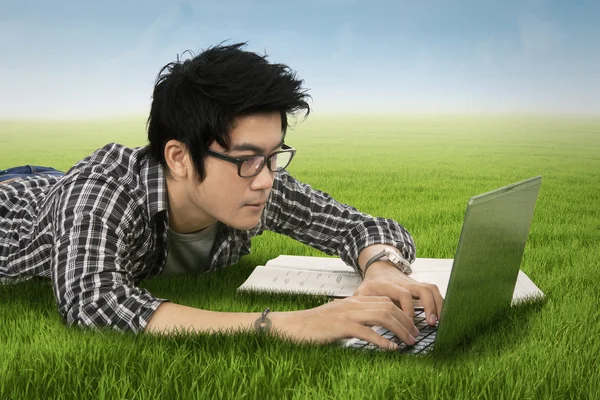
(484, 270)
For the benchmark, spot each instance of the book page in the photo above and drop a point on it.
(525, 288)
(332, 277)
(333, 264)
(276, 279)
(430, 270)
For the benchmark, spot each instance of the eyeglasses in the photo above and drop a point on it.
(252, 165)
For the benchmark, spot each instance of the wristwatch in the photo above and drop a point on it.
(392, 256)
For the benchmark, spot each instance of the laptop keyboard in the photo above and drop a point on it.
(424, 340)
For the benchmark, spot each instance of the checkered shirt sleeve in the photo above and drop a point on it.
(96, 254)
(316, 219)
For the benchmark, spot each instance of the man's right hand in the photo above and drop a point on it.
(351, 317)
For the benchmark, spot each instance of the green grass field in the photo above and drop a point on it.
(418, 170)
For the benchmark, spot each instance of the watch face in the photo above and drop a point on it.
(393, 257)
(399, 262)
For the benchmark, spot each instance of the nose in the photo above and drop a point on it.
(264, 179)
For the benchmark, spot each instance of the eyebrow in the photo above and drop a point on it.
(252, 147)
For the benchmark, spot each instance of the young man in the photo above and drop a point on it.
(211, 178)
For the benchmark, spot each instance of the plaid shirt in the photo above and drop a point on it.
(102, 228)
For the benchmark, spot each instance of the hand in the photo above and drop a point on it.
(348, 318)
(383, 279)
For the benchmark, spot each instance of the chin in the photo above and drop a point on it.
(243, 226)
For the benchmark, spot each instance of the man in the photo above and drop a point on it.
(211, 178)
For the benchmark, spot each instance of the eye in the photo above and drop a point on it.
(253, 161)
(251, 165)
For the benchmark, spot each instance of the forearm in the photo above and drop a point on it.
(170, 317)
(339, 319)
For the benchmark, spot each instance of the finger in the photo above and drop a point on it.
(437, 297)
(369, 335)
(367, 304)
(401, 297)
(426, 297)
(398, 295)
(391, 307)
(364, 298)
(389, 321)
(406, 301)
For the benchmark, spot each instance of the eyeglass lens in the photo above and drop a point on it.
(254, 165)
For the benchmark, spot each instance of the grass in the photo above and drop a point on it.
(418, 170)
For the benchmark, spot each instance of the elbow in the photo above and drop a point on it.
(85, 316)
(129, 315)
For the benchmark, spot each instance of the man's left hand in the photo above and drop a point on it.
(383, 279)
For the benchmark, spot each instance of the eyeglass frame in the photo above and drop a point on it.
(266, 159)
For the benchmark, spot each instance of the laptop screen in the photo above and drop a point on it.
(487, 260)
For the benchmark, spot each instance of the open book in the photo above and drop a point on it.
(332, 277)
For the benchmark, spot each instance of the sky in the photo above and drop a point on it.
(81, 58)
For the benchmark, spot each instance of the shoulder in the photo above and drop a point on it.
(113, 163)
(112, 159)
(285, 185)
(108, 179)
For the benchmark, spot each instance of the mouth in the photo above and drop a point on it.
(256, 204)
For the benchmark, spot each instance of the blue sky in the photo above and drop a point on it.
(67, 59)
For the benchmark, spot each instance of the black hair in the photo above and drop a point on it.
(197, 100)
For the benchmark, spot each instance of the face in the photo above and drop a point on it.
(224, 195)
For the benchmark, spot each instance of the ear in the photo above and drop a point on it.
(178, 159)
